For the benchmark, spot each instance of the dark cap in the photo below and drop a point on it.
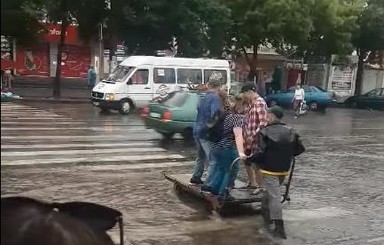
(215, 80)
(249, 86)
(277, 111)
(214, 83)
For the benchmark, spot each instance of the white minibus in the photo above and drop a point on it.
(139, 79)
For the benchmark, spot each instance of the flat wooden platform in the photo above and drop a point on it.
(240, 195)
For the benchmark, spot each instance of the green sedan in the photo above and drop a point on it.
(176, 113)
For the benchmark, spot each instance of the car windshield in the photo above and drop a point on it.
(175, 99)
(120, 73)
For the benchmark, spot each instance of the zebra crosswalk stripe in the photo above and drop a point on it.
(31, 136)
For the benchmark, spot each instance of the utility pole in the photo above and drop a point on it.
(101, 54)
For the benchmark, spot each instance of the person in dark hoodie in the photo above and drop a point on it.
(278, 145)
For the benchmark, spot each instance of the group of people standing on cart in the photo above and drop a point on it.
(248, 129)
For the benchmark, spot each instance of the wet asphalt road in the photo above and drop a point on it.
(69, 152)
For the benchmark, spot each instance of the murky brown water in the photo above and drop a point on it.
(337, 193)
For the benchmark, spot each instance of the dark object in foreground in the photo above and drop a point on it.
(286, 196)
(40, 222)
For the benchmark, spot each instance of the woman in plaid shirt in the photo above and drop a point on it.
(255, 119)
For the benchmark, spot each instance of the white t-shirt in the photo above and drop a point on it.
(299, 94)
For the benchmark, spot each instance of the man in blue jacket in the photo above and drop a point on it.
(206, 109)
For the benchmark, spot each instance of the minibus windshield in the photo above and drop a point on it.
(120, 73)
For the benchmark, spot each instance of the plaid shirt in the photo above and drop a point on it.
(255, 119)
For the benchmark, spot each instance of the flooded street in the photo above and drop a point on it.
(67, 152)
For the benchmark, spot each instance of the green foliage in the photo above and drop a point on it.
(282, 23)
(146, 26)
(20, 18)
(296, 28)
(88, 14)
(370, 34)
(334, 21)
(257, 22)
(20, 21)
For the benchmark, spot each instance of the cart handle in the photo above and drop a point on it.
(233, 163)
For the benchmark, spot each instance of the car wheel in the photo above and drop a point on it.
(313, 106)
(126, 106)
(187, 134)
(167, 136)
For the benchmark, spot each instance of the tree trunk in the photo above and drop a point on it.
(64, 26)
(255, 63)
(252, 63)
(360, 71)
(115, 7)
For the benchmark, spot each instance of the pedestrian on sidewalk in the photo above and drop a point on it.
(277, 145)
(255, 119)
(91, 77)
(6, 81)
(206, 109)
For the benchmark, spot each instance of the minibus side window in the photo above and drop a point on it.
(217, 74)
(164, 75)
(189, 76)
(139, 77)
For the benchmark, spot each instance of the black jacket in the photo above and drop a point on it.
(278, 144)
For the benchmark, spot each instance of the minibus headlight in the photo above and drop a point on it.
(109, 96)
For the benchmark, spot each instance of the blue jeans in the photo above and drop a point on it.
(203, 155)
(224, 176)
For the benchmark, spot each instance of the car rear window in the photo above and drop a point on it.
(176, 99)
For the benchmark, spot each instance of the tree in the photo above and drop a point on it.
(264, 22)
(146, 26)
(19, 21)
(333, 23)
(369, 36)
(88, 14)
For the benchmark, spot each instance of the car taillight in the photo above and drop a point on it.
(145, 112)
(167, 115)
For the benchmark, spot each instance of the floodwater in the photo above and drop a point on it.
(67, 152)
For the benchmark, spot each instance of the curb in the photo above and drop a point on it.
(40, 86)
(53, 100)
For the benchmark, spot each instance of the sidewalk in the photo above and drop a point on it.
(41, 89)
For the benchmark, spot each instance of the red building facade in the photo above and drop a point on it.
(40, 59)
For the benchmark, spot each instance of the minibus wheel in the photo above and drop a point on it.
(126, 106)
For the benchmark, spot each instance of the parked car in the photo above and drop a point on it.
(173, 114)
(374, 99)
(316, 97)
